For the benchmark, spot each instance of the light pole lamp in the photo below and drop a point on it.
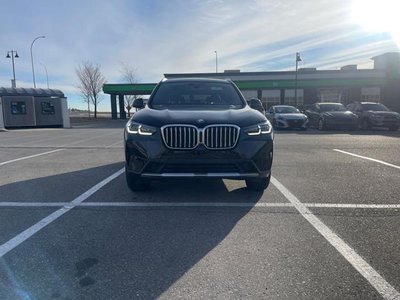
(216, 61)
(33, 68)
(13, 83)
(298, 58)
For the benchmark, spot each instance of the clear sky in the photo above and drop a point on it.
(157, 37)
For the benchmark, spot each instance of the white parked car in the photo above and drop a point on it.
(285, 117)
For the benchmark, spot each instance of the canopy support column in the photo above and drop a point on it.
(122, 113)
(113, 106)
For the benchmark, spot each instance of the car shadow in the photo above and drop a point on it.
(201, 190)
(108, 252)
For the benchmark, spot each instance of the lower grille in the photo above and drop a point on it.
(295, 123)
(200, 168)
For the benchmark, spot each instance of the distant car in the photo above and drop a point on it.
(371, 114)
(331, 115)
(256, 104)
(284, 116)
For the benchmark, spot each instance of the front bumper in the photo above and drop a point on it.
(341, 123)
(382, 122)
(148, 157)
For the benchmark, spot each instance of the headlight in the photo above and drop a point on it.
(140, 129)
(264, 128)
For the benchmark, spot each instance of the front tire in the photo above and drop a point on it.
(394, 128)
(354, 128)
(366, 125)
(135, 183)
(321, 125)
(258, 184)
(274, 124)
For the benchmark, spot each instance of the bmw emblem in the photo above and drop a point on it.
(200, 121)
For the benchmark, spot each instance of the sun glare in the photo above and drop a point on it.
(378, 16)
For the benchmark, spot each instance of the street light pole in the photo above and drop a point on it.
(33, 68)
(216, 61)
(298, 58)
(13, 82)
(47, 75)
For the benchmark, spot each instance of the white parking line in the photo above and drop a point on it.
(386, 290)
(88, 139)
(117, 143)
(351, 205)
(26, 234)
(368, 158)
(30, 156)
(63, 135)
(198, 204)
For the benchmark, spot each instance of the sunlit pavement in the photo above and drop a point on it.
(326, 228)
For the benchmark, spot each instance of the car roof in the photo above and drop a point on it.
(195, 79)
(370, 103)
(283, 106)
(323, 103)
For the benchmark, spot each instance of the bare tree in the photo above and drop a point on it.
(129, 75)
(91, 83)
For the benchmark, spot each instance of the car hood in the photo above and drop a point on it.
(339, 114)
(291, 116)
(240, 117)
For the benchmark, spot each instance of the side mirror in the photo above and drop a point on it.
(255, 103)
(138, 103)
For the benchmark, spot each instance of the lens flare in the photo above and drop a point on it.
(378, 16)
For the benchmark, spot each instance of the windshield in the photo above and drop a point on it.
(332, 107)
(286, 110)
(196, 95)
(374, 107)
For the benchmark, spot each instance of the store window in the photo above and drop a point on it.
(47, 108)
(292, 101)
(270, 101)
(371, 94)
(290, 98)
(18, 108)
(370, 98)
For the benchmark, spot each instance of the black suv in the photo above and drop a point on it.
(198, 128)
(331, 115)
(373, 114)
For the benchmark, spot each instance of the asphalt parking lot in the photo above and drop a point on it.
(326, 228)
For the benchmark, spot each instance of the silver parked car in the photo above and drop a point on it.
(285, 117)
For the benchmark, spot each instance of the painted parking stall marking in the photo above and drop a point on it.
(386, 290)
(368, 158)
(30, 156)
(198, 204)
(26, 234)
